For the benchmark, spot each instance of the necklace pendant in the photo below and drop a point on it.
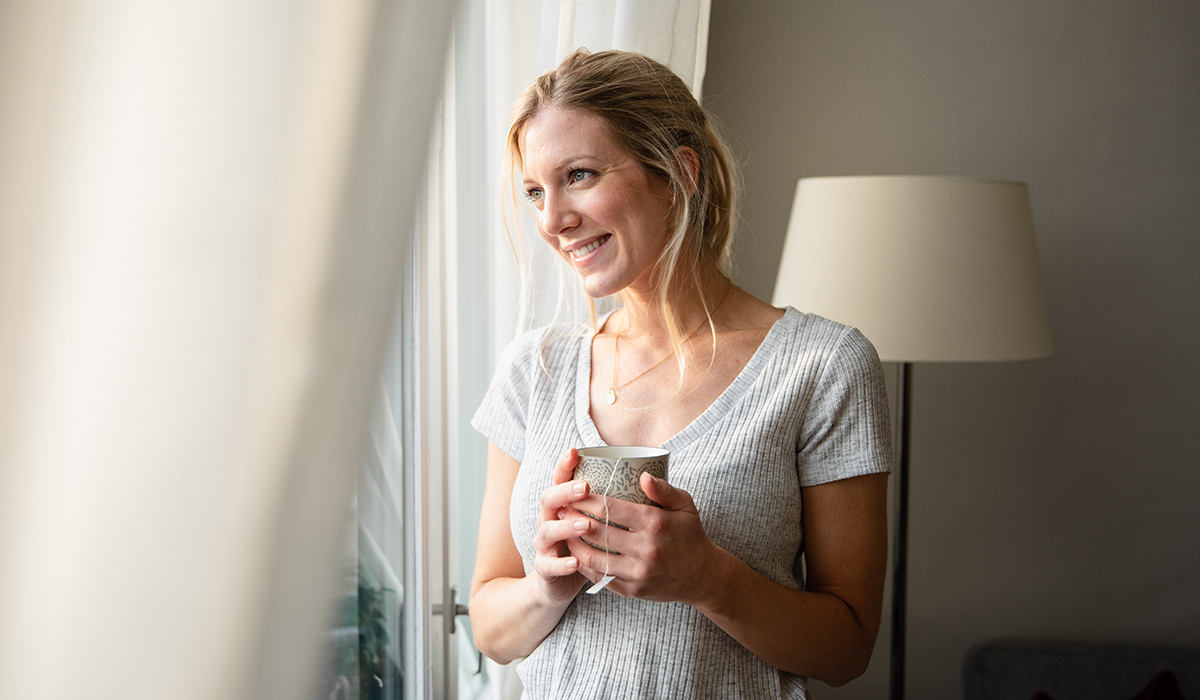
(611, 398)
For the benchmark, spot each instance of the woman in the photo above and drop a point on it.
(776, 422)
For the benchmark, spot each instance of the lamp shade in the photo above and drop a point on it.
(930, 269)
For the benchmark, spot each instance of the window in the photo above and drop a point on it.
(409, 561)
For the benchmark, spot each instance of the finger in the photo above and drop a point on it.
(554, 498)
(622, 514)
(596, 551)
(593, 563)
(564, 471)
(666, 495)
(618, 542)
(592, 575)
(552, 532)
(614, 509)
(551, 567)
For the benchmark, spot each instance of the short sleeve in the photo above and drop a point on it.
(847, 432)
(501, 417)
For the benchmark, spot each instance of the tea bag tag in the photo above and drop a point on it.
(600, 585)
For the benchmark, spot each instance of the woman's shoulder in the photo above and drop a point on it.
(810, 333)
(563, 333)
(547, 345)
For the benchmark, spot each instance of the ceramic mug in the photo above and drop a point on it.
(615, 470)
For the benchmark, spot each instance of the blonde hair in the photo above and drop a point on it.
(651, 113)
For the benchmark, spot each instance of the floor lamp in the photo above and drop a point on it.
(930, 269)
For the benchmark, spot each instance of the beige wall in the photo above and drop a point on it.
(1054, 499)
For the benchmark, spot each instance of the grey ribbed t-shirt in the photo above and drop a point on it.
(808, 408)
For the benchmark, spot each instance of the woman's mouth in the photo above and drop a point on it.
(582, 251)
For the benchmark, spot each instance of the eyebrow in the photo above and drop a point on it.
(567, 164)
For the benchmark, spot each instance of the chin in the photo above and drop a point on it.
(598, 292)
(597, 288)
(611, 279)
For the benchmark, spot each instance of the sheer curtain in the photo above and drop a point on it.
(501, 47)
(204, 217)
(672, 31)
(521, 40)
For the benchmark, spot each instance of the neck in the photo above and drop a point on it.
(643, 317)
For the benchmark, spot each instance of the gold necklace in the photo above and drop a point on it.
(611, 397)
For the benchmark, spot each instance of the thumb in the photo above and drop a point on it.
(564, 471)
(665, 494)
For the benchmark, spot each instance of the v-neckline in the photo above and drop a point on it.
(709, 417)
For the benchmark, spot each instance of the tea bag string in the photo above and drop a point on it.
(602, 583)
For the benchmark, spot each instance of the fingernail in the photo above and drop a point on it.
(581, 525)
(579, 488)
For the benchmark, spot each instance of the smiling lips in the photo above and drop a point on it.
(581, 251)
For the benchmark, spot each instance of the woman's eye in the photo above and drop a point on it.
(579, 175)
(533, 194)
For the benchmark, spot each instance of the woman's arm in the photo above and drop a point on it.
(826, 631)
(512, 613)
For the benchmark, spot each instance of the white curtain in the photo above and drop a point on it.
(674, 32)
(204, 210)
(523, 39)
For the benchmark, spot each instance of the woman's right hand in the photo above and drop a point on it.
(514, 609)
(555, 570)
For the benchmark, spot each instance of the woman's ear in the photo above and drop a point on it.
(691, 167)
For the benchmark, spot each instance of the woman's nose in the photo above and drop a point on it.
(558, 215)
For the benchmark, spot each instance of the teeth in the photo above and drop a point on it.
(580, 252)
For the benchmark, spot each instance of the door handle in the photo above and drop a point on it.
(439, 609)
(451, 627)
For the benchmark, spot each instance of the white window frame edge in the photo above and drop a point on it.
(431, 669)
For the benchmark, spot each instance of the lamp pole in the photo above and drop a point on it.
(900, 546)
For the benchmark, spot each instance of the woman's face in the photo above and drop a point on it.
(595, 205)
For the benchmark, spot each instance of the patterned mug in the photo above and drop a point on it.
(614, 471)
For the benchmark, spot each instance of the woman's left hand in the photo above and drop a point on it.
(665, 554)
